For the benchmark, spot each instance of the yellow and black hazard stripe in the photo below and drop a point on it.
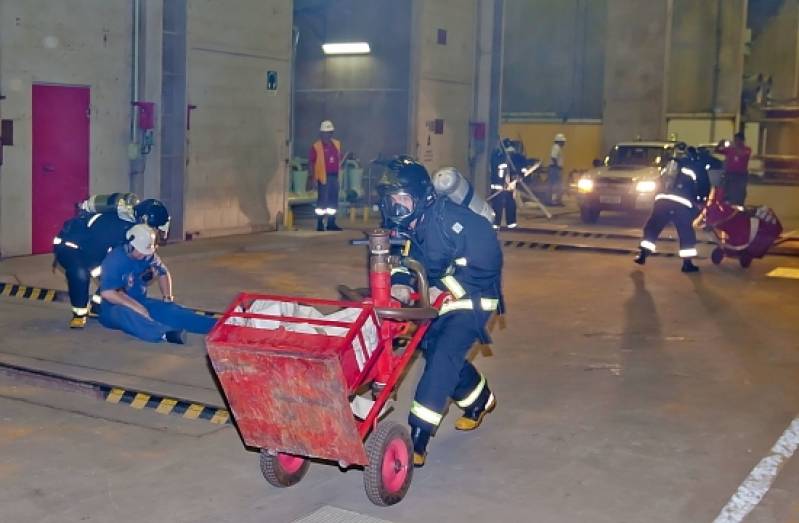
(27, 293)
(52, 295)
(580, 248)
(136, 399)
(589, 235)
(163, 405)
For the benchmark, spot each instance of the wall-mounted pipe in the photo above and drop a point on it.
(134, 87)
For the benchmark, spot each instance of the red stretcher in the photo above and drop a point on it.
(742, 233)
(290, 379)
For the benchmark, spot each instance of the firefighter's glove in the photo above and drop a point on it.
(402, 293)
(434, 293)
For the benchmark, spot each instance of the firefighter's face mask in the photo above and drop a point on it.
(398, 207)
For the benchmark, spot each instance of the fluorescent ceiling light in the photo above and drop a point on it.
(346, 48)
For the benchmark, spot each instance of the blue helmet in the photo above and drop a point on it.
(154, 214)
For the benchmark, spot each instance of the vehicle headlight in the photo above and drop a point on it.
(646, 186)
(585, 185)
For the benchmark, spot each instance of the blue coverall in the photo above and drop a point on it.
(80, 248)
(461, 254)
(122, 272)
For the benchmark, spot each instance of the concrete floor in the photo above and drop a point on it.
(625, 395)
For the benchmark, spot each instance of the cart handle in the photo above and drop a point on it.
(424, 311)
(407, 313)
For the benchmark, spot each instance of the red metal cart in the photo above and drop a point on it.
(289, 379)
(742, 233)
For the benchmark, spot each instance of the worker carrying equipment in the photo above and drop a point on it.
(85, 240)
(461, 255)
(126, 273)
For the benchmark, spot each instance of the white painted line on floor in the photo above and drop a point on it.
(759, 481)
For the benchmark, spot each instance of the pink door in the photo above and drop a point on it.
(60, 177)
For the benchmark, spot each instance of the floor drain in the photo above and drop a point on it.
(328, 514)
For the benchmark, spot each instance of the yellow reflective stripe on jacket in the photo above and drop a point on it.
(487, 304)
(472, 397)
(453, 286)
(461, 262)
(399, 270)
(423, 413)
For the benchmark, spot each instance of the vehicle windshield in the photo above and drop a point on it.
(636, 156)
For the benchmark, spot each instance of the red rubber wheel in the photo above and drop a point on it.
(745, 260)
(283, 470)
(388, 475)
(717, 255)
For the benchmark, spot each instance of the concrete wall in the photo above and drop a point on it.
(583, 141)
(365, 96)
(695, 38)
(236, 179)
(775, 51)
(93, 52)
(443, 81)
(636, 61)
(554, 57)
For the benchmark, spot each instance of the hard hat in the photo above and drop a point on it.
(327, 127)
(560, 137)
(153, 212)
(142, 238)
(407, 176)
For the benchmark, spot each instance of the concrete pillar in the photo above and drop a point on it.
(152, 33)
(706, 57)
(487, 89)
(442, 81)
(774, 51)
(636, 64)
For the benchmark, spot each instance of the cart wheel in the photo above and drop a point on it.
(388, 475)
(717, 255)
(745, 260)
(283, 470)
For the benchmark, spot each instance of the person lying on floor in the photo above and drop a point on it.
(126, 273)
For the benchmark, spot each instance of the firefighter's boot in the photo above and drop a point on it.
(474, 414)
(78, 321)
(688, 266)
(320, 223)
(640, 259)
(331, 224)
(420, 438)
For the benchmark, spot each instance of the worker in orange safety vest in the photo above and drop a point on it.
(325, 157)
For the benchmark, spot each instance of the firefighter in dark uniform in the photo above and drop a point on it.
(85, 240)
(461, 254)
(508, 167)
(685, 188)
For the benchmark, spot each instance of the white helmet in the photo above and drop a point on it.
(142, 238)
(560, 137)
(327, 127)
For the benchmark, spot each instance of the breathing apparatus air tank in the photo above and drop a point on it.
(121, 203)
(452, 184)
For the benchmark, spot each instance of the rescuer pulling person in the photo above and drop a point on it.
(84, 241)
